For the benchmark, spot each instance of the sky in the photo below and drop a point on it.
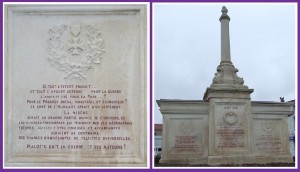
(187, 49)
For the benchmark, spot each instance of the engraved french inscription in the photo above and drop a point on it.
(77, 116)
(230, 126)
(76, 78)
(268, 136)
(188, 136)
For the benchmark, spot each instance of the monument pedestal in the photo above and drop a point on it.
(248, 159)
(229, 125)
(272, 159)
(231, 159)
(185, 131)
(183, 160)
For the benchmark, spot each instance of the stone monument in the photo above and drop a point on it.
(226, 127)
(75, 85)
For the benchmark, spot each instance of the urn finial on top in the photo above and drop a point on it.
(224, 13)
(224, 10)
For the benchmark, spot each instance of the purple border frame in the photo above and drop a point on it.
(150, 82)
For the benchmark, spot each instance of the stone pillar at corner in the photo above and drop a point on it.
(230, 109)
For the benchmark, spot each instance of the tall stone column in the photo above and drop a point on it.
(225, 41)
(226, 77)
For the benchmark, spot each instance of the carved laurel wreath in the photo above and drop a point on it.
(231, 118)
(59, 60)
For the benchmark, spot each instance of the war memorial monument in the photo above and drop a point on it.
(75, 85)
(226, 127)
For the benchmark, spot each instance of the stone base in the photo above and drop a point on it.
(232, 159)
(191, 161)
(249, 159)
(201, 133)
(274, 159)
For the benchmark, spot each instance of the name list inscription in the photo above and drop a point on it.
(75, 117)
(186, 143)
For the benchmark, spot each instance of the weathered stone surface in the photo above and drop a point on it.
(239, 131)
(230, 126)
(185, 131)
(270, 131)
(224, 131)
(75, 84)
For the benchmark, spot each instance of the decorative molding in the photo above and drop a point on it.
(230, 118)
(227, 74)
(237, 80)
(91, 54)
(218, 76)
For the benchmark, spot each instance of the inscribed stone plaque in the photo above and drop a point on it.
(187, 136)
(75, 85)
(268, 136)
(230, 126)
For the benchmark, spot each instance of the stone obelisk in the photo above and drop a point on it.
(230, 108)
